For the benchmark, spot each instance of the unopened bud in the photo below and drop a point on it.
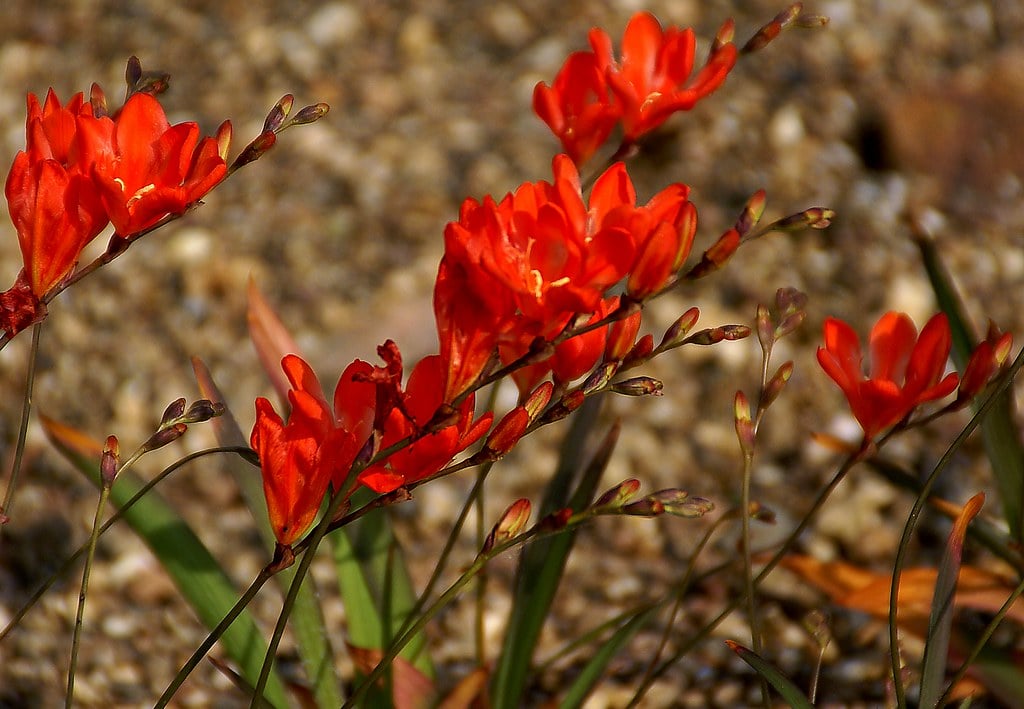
(772, 30)
(310, 114)
(776, 384)
(110, 461)
(98, 100)
(568, 403)
(599, 378)
(679, 329)
(639, 386)
(618, 495)
(744, 424)
(173, 412)
(278, 113)
(765, 327)
(255, 150)
(164, 436)
(640, 353)
(224, 134)
(647, 507)
(716, 256)
(203, 410)
(751, 214)
(679, 503)
(539, 400)
(813, 218)
(622, 336)
(507, 433)
(715, 335)
(510, 524)
(724, 36)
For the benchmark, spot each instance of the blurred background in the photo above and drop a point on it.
(894, 110)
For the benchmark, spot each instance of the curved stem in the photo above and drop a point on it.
(76, 635)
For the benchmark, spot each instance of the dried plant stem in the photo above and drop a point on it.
(915, 514)
(76, 635)
(26, 412)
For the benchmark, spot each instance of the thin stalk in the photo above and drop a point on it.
(915, 514)
(481, 534)
(26, 412)
(200, 652)
(76, 635)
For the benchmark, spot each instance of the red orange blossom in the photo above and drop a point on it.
(316, 447)
(906, 369)
(524, 267)
(649, 82)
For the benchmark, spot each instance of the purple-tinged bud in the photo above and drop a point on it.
(618, 495)
(714, 335)
(511, 524)
(278, 113)
(568, 403)
(639, 386)
(203, 410)
(679, 329)
(599, 378)
(679, 503)
(790, 300)
(310, 114)
(110, 462)
(647, 507)
(164, 436)
(133, 72)
(98, 100)
(254, 150)
(173, 412)
(813, 218)
(772, 30)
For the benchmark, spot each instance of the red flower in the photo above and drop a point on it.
(521, 268)
(299, 458)
(592, 91)
(50, 197)
(906, 370)
(150, 168)
(577, 106)
(652, 79)
(409, 415)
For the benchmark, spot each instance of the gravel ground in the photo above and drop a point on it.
(896, 108)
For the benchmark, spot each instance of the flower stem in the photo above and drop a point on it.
(26, 412)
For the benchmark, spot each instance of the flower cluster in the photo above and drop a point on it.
(593, 92)
(317, 446)
(83, 169)
(526, 267)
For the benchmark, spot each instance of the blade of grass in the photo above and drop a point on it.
(795, 698)
(195, 572)
(1002, 439)
(307, 619)
(375, 584)
(542, 563)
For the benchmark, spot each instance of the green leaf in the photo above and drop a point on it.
(196, 573)
(795, 698)
(375, 584)
(1002, 439)
(940, 622)
(542, 563)
(307, 620)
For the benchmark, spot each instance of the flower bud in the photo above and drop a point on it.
(776, 384)
(254, 150)
(639, 386)
(744, 424)
(510, 524)
(110, 462)
(538, 400)
(173, 412)
(679, 329)
(310, 114)
(278, 113)
(599, 378)
(507, 433)
(618, 495)
(164, 436)
(203, 410)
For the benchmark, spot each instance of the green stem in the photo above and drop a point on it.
(76, 635)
